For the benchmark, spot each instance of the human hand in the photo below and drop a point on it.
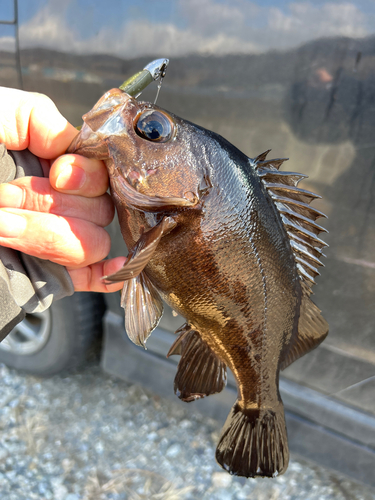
(62, 218)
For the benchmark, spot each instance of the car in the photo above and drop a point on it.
(58, 339)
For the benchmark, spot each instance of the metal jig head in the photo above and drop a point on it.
(134, 86)
(155, 70)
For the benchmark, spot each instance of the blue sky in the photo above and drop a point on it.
(178, 27)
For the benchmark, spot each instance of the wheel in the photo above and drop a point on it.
(56, 340)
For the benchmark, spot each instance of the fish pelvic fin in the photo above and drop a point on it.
(200, 372)
(297, 216)
(253, 442)
(312, 330)
(143, 308)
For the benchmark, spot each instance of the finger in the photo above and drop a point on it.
(76, 174)
(37, 195)
(30, 120)
(88, 279)
(67, 241)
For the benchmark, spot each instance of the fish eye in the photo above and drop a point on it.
(154, 126)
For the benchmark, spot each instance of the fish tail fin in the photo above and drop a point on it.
(254, 442)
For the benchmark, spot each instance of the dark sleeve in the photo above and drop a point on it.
(27, 284)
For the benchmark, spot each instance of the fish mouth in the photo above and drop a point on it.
(86, 143)
(108, 117)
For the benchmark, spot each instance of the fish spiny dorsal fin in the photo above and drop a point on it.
(275, 163)
(299, 219)
(262, 156)
(274, 176)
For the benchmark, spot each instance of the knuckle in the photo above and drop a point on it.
(43, 202)
(39, 197)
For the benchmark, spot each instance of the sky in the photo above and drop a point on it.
(178, 27)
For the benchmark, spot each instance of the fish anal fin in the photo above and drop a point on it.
(176, 347)
(142, 252)
(143, 308)
(200, 372)
(312, 330)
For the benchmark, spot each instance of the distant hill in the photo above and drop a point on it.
(233, 71)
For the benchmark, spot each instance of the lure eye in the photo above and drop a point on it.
(154, 126)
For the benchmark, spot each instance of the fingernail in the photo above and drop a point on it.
(11, 225)
(71, 179)
(11, 196)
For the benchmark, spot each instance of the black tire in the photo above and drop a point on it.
(74, 328)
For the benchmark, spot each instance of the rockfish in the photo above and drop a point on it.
(231, 244)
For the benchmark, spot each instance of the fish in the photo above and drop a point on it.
(231, 243)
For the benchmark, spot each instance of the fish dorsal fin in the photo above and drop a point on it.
(200, 372)
(298, 218)
(262, 156)
(275, 163)
(312, 330)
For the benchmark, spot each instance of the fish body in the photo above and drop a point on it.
(212, 232)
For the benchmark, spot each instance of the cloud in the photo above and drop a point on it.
(210, 27)
(48, 29)
(135, 38)
(210, 17)
(8, 44)
(306, 21)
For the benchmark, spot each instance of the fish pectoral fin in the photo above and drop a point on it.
(142, 252)
(140, 299)
(143, 308)
(312, 330)
(200, 372)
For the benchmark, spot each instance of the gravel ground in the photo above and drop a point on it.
(88, 436)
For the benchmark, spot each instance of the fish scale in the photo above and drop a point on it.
(232, 245)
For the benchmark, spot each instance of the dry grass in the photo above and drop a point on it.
(30, 428)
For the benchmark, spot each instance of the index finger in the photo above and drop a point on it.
(31, 120)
